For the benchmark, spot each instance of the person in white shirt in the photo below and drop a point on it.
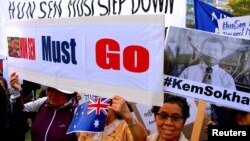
(212, 50)
(170, 119)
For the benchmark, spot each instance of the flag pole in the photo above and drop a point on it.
(198, 121)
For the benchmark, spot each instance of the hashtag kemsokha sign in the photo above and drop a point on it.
(103, 56)
(206, 92)
(228, 86)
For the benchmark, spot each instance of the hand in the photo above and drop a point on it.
(78, 96)
(120, 107)
(210, 122)
(14, 81)
(15, 87)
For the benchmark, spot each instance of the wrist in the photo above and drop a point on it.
(14, 93)
(131, 121)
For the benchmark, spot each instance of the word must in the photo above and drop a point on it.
(59, 51)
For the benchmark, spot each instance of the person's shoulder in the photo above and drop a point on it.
(182, 137)
(153, 137)
(41, 100)
(35, 106)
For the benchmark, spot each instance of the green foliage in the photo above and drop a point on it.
(190, 25)
(240, 7)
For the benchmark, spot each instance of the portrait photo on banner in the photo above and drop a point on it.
(197, 54)
(208, 66)
(205, 66)
(183, 55)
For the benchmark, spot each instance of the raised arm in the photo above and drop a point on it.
(136, 128)
(16, 99)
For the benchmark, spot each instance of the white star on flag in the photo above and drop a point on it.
(96, 123)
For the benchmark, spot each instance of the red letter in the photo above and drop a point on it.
(107, 54)
(136, 58)
(31, 48)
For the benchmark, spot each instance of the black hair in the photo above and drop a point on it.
(2, 91)
(5, 84)
(74, 95)
(181, 101)
(233, 115)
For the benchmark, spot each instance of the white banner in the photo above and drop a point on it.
(174, 11)
(221, 96)
(235, 26)
(104, 56)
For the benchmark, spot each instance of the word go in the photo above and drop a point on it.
(135, 58)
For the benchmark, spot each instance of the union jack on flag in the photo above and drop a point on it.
(90, 116)
(98, 105)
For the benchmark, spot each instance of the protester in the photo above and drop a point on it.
(4, 112)
(13, 123)
(4, 84)
(236, 118)
(120, 125)
(54, 112)
(170, 119)
(239, 117)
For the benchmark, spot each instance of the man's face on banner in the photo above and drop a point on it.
(212, 53)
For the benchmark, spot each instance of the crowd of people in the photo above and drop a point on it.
(54, 113)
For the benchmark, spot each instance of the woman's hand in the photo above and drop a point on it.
(120, 107)
(14, 81)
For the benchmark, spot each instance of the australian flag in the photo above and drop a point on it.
(206, 16)
(90, 116)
